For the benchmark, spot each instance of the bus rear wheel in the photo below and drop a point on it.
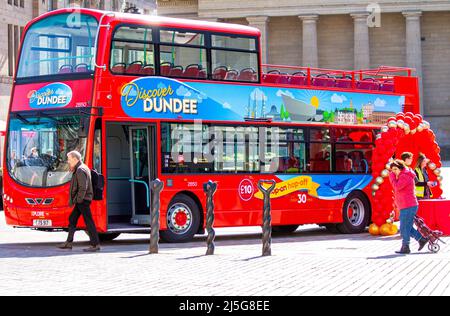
(284, 229)
(356, 214)
(108, 237)
(183, 220)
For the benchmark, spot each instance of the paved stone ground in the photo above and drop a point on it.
(309, 262)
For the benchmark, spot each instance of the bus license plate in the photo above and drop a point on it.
(42, 223)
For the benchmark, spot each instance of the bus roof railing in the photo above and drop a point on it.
(382, 71)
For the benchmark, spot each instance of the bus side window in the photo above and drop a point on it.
(97, 154)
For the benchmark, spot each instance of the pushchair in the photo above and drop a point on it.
(433, 236)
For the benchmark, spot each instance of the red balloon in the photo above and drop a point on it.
(392, 119)
(408, 120)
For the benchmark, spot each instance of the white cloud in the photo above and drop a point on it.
(183, 92)
(380, 103)
(162, 86)
(338, 98)
(258, 95)
(285, 92)
(227, 105)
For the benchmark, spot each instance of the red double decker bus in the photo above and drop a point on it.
(185, 101)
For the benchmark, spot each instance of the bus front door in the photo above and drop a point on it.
(141, 174)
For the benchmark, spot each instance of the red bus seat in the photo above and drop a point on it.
(344, 83)
(176, 72)
(283, 79)
(148, 70)
(388, 86)
(324, 81)
(232, 75)
(119, 68)
(270, 78)
(202, 74)
(134, 68)
(299, 79)
(247, 74)
(165, 69)
(368, 84)
(320, 163)
(66, 69)
(220, 73)
(82, 68)
(192, 71)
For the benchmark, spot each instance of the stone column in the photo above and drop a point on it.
(362, 44)
(310, 47)
(262, 24)
(414, 46)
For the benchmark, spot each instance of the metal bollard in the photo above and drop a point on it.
(267, 216)
(156, 187)
(210, 189)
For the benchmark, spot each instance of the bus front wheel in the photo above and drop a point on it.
(356, 214)
(183, 220)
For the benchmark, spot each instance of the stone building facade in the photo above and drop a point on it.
(347, 34)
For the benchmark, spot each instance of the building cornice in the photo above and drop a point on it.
(238, 8)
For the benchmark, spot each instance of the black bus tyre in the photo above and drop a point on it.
(108, 237)
(356, 214)
(285, 229)
(183, 220)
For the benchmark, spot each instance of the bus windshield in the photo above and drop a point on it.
(58, 45)
(38, 147)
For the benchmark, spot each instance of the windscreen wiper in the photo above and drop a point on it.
(22, 119)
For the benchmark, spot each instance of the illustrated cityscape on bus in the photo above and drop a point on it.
(263, 103)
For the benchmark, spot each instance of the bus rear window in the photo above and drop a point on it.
(59, 45)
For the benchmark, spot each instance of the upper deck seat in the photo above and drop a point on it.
(220, 73)
(270, 78)
(165, 69)
(119, 68)
(299, 79)
(388, 86)
(148, 70)
(176, 71)
(80, 68)
(134, 68)
(203, 74)
(247, 74)
(66, 69)
(344, 83)
(368, 84)
(232, 75)
(324, 81)
(283, 78)
(192, 71)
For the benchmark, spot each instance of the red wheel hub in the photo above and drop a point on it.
(181, 218)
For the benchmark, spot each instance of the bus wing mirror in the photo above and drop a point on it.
(84, 127)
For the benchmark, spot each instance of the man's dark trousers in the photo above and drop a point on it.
(83, 209)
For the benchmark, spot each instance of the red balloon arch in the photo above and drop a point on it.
(403, 133)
